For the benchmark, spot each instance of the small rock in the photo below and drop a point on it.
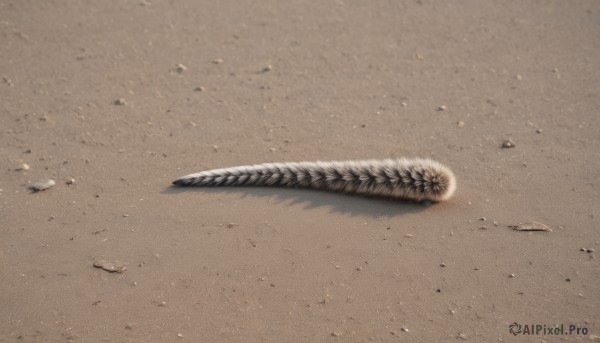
(179, 335)
(511, 275)
(507, 144)
(519, 77)
(589, 251)
(482, 219)
(336, 334)
(180, 68)
(111, 267)
(438, 290)
(460, 123)
(404, 329)
(8, 81)
(442, 108)
(199, 89)
(568, 280)
(41, 185)
(404, 104)
(70, 181)
(582, 249)
(218, 61)
(442, 265)
(530, 226)
(23, 166)
(120, 102)
(267, 69)
(495, 223)
(538, 131)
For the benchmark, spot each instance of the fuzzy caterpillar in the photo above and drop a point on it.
(410, 179)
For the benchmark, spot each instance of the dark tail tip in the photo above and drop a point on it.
(178, 182)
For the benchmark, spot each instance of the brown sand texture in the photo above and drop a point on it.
(113, 100)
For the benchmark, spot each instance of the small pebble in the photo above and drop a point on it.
(404, 104)
(179, 335)
(70, 181)
(199, 89)
(482, 219)
(336, 334)
(568, 280)
(442, 108)
(120, 102)
(111, 267)
(41, 185)
(538, 131)
(404, 329)
(218, 61)
(438, 290)
(495, 223)
(582, 249)
(266, 69)
(519, 77)
(23, 166)
(180, 68)
(460, 124)
(442, 265)
(589, 251)
(507, 144)
(511, 275)
(530, 226)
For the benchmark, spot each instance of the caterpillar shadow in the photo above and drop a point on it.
(352, 204)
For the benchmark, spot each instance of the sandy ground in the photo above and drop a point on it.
(266, 81)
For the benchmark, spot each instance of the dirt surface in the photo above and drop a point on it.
(119, 98)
